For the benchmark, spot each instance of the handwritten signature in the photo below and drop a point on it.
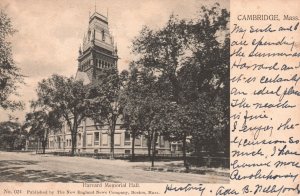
(188, 187)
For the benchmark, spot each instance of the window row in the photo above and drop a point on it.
(142, 140)
(103, 64)
(95, 139)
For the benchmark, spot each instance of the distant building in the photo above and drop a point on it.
(99, 52)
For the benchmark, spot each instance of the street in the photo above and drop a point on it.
(30, 167)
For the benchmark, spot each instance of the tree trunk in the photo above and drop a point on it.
(74, 139)
(73, 135)
(149, 146)
(44, 142)
(153, 149)
(112, 138)
(112, 143)
(37, 146)
(184, 151)
(132, 146)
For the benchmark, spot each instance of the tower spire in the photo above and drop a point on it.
(95, 6)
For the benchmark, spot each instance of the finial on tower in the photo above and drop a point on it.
(95, 6)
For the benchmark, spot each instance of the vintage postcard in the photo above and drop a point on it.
(194, 97)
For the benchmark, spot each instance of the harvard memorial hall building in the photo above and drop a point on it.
(99, 52)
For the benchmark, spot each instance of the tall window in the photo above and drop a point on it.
(79, 139)
(162, 141)
(89, 138)
(103, 35)
(96, 138)
(104, 139)
(117, 139)
(138, 141)
(127, 138)
(144, 139)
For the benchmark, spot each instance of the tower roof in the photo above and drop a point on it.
(98, 33)
(98, 16)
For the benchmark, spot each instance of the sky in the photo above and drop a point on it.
(51, 31)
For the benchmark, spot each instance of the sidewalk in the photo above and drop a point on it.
(177, 166)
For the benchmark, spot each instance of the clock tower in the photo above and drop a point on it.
(98, 51)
